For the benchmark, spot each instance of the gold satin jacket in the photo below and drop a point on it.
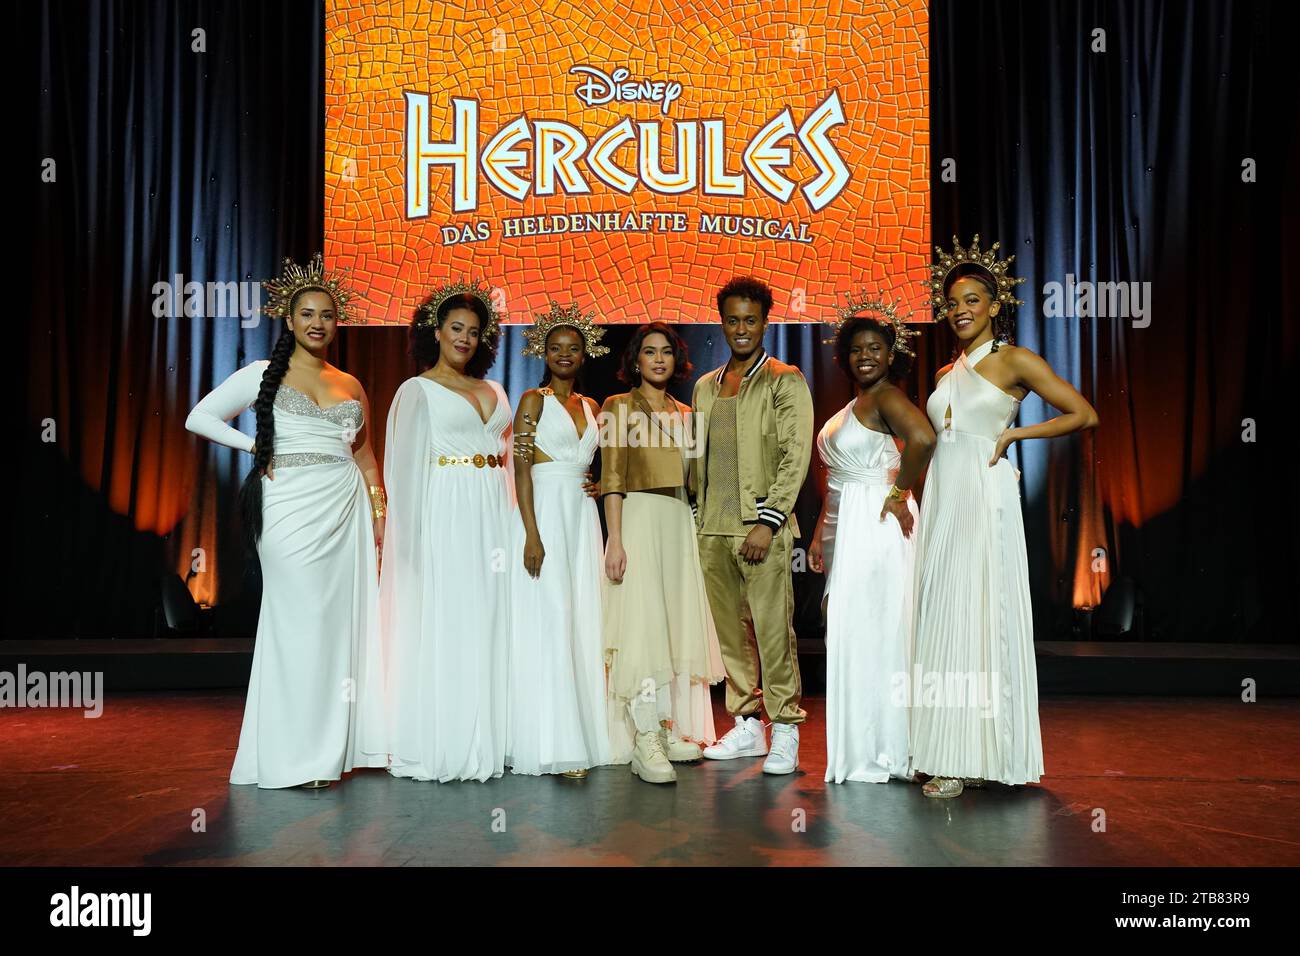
(774, 437)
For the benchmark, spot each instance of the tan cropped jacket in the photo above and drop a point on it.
(640, 450)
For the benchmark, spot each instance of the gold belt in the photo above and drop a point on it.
(478, 461)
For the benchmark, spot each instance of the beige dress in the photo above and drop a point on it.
(661, 649)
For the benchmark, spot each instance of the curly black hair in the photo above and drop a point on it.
(1002, 324)
(628, 372)
(424, 334)
(898, 368)
(747, 287)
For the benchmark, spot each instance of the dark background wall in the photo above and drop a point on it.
(1115, 165)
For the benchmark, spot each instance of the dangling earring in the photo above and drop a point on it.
(1004, 329)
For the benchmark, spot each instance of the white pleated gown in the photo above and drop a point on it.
(557, 670)
(869, 577)
(975, 684)
(444, 596)
(314, 694)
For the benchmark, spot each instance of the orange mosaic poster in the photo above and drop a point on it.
(629, 157)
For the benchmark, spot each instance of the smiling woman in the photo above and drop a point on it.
(974, 622)
(661, 647)
(443, 593)
(557, 673)
(867, 557)
(312, 712)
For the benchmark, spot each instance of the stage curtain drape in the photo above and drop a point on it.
(186, 141)
(199, 154)
(1106, 141)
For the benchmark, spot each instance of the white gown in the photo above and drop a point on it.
(443, 585)
(557, 666)
(975, 684)
(869, 577)
(313, 710)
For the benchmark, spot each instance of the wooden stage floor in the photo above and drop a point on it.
(1180, 781)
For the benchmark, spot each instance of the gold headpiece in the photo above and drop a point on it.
(429, 310)
(854, 307)
(990, 263)
(295, 278)
(571, 317)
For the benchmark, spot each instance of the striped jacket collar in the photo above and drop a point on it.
(762, 360)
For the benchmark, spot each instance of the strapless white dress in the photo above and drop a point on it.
(314, 706)
(869, 580)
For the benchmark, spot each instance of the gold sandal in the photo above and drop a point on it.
(942, 788)
(315, 784)
(973, 783)
(579, 774)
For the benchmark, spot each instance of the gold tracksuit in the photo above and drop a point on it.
(764, 438)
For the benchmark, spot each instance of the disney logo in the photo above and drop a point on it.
(599, 87)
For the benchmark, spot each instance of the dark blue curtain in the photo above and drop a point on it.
(1106, 140)
(186, 140)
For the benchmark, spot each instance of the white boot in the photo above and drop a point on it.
(676, 749)
(784, 757)
(746, 739)
(649, 761)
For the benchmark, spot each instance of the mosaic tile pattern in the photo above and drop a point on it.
(743, 62)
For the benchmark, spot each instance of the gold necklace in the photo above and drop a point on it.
(662, 408)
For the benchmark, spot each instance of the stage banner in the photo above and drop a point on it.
(629, 157)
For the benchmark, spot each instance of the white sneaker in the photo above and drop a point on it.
(746, 739)
(784, 757)
(676, 749)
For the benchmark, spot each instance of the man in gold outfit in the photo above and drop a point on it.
(754, 434)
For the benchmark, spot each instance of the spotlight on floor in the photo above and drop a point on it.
(1120, 611)
(179, 610)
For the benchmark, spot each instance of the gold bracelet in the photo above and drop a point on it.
(897, 493)
(378, 501)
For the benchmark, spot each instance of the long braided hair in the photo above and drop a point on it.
(250, 493)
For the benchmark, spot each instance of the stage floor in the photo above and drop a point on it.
(1180, 781)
